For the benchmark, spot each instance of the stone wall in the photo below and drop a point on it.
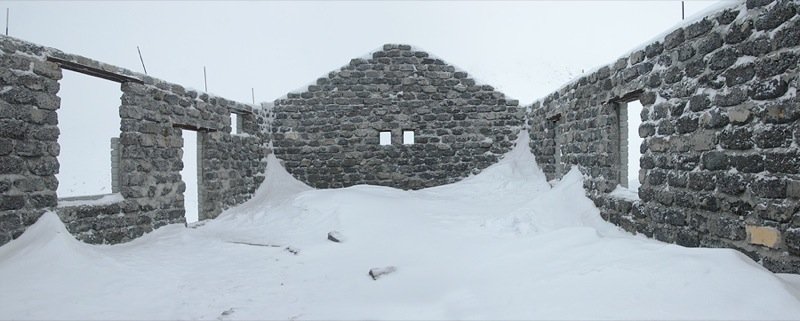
(153, 114)
(720, 165)
(328, 135)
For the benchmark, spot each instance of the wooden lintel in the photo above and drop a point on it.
(629, 97)
(240, 111)
(194, 128)
(92, 71)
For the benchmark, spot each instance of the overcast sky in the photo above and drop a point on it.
(526, 49)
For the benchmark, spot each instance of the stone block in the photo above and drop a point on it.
(714, 118)
(686, 124)
(727, 16)
(780, 112)
(724, 58)
(737, 138)
(793, 189)
(699, 102)
(769, 187)
(11, 202)
(709, 43)
(739, 32)
(769, 89)
(702, 181)
(781, 12)
(748, 163)
(739, 115)
(658, 144)
(792, 240)
(773, 136)
(731, 184)
(715, 160)
(739, 74)
(698, 28)
(726, 227)
(733, 96)
(756, 47)
(703, 140)
(775, 210)
(763, 235)
(776, 64)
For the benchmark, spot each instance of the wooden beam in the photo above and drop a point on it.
(194, 128)
(629, 97)
(92, 71)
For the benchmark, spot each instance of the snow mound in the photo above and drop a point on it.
(502, 244)
(49, 235)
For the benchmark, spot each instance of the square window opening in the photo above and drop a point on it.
(385, 138)
(408, 137)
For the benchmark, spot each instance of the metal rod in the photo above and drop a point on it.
(141, 59)
(253, 92)
(683, 10)
(7, 10)
(205, 79)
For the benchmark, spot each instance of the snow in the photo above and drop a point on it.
(106, 199)
(625, 193)
(502, 244)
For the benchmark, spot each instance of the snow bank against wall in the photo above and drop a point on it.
(499, 245)
(153, 113)
(720, 163)
(328, 135)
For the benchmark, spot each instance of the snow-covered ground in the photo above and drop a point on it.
(499, 245)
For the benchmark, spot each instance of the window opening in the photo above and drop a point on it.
(236, 123)
(408, 137)
(189, 175)
(385, 138)
(89, 125)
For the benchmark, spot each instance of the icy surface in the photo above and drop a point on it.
(499, 245)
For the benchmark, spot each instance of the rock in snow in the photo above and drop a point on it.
(376, 273)
(335, 236)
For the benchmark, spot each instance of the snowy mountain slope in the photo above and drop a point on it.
(499, 245)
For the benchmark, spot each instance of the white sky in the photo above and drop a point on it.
(526, 49)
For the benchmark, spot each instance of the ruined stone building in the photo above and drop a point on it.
(720, 164)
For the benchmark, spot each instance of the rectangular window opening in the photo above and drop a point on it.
(236, 123)
(89, 125)
(408, 137)
(559, 144)
(631, 146)
(385, 138)
(190, 174)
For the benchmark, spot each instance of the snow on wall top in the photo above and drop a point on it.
(713, 10)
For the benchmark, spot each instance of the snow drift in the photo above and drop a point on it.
(499, 245)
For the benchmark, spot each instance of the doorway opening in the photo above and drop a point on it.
(87, 119)
(190, 174)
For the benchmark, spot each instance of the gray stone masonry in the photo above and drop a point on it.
(720, 159)
(148, 154)
(327, 136)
